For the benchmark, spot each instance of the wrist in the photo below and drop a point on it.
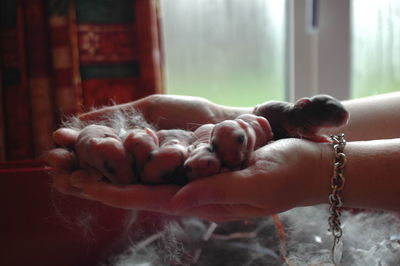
(322, 174)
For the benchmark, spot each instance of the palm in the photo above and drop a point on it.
(275, 180)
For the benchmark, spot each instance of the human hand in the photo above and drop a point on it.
(69, 179)
(282, 175)
(68, 176)
(173, 111)
(164, 111)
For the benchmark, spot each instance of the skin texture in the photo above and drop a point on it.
(235, 140)
(382, 111)
(174, 111)
(271, 181)
(236, 148)
(227, 144)
(305, 118)
(165, 163)
(101, 149)
(140, 143)
(268, 176)
(261, 127)
(202, 160)
(171, 156)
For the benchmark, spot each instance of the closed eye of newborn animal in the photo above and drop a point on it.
(234, 140)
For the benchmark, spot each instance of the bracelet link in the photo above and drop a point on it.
(337, 183)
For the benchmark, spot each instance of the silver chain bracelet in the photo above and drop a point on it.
(337, 184)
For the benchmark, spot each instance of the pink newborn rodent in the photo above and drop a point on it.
(100, 148)
(143, 155)
(235, 140)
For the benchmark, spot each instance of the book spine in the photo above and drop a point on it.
(17, 109)
(66, 100)
(149, 46)
(38, 68)
(75, 62)
(111, 63)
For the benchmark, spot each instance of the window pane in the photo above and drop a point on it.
(376, 47)
(229, 51)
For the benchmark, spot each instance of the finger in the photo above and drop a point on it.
(156, 198)
(65, 137)
(61, 159)
(225, 188)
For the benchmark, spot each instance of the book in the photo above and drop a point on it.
(16, 102)
(38, 72)
(63, 57)
(118, 48)
(67, 98)
(148, 30)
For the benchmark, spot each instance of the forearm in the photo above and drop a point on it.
(375, 117)
(372, 173)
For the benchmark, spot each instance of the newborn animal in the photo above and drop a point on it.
(203, 161)
(305, 118)
(226, 145)
(165, 164)
(147, 155)
(100, 148)
(177, 156)
(235, 140)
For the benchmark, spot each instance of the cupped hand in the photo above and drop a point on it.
(83, 183)
(163, 111)
(279, 176)
(282, 175)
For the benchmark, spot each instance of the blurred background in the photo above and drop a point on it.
(231, 52)
(240, 52)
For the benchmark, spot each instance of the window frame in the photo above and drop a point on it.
(319, 55)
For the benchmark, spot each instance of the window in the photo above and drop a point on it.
(245, 52)
(229, 51)
(375, 47)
